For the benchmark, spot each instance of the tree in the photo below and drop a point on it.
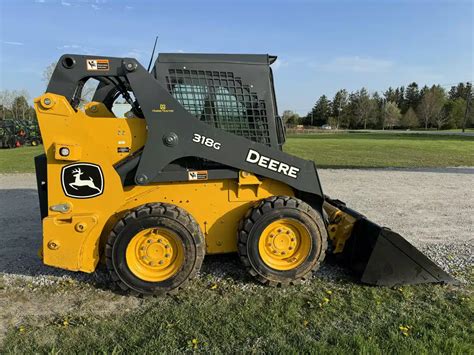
(391, 115)
(6, 101)
(460, 91)
(20, 107)
(400, 97)
(48, 72)
(364, 107)
(338, 107)
(290, 118)
(412, 96)
(390, 95)
(321, 111)
(409, 119)
(455, 110)
(430, 110)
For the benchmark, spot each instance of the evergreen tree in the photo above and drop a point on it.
(338, 108)
(412, 97)
(321, 111)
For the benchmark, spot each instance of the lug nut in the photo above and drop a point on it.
(167, 246)
(167, 255)
(161, 262)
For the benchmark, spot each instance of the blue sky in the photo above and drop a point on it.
(322, 45)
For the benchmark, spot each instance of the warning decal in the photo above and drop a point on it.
(97, 64)
(197, 175)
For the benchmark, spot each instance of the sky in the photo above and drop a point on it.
(322, 46)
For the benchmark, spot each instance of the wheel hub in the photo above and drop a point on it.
(155, 254)
(284, 244)
(282, 241)
(156, 251)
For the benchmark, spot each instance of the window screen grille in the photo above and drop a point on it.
(221, 100)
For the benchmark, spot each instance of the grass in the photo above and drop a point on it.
(231, 313)
(19, 160)
(335, 150)
(378, 150)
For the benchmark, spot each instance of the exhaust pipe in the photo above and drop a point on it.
(377, 255)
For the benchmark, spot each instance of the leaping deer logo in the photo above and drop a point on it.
(78, 182)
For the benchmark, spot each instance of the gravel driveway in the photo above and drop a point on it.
(433, 209)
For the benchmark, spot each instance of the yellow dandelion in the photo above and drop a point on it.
(213, 286)
(305, 323)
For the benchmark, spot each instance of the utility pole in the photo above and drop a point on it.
(468, 109)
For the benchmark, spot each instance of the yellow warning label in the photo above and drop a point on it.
(97, 64)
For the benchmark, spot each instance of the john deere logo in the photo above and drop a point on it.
(82, 180)
(162, 109)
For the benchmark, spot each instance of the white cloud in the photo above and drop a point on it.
(355, 64)
(128, 7)
(95, 7)
(65, 3)
(70, 46)
(12, 43)
(40, 1)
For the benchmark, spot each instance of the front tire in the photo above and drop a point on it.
(282, 241)
(154, 249)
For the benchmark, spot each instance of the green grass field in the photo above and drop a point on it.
(375, 150)
(335, 150)
(19, 160)
(233, 314)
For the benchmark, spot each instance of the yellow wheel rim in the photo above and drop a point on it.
(155, 254)
(284, 244)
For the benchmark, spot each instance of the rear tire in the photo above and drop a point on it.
(282, 241)
(154, 250)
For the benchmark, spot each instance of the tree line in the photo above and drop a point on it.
(15, 105)
(403, 107)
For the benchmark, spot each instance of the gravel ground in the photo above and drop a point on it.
(431, 209)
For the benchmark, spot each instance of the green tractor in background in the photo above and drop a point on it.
(15, 133)
(32, 133)
(8, 134)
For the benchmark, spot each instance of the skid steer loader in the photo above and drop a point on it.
(193, 167)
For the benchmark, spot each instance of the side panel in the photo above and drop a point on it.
(72, 225)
